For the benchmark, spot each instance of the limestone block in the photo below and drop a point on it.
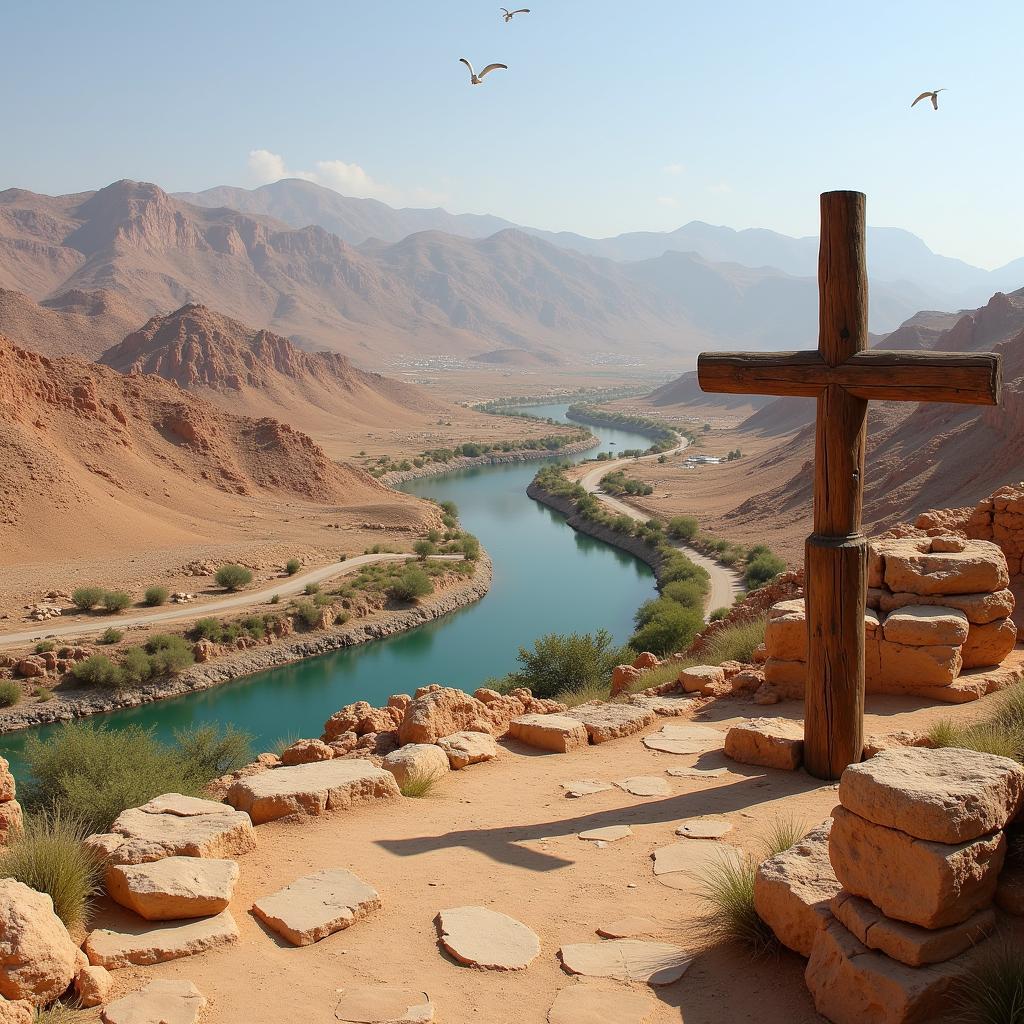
(979, 608)
(919, 625)
(979, 569)
(905, 669)
(466, 748)
(417, 761)
(785, 636)
(605, 722)
(789, 678)
(549, 732)
(770, 742)
(989, 644)
(693, 680)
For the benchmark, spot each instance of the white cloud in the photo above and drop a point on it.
(667, 201)
(720, 188)
(673, 169)
(348, 179)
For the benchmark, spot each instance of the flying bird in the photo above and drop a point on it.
(478, 79)
(933, 95)
(509, 15)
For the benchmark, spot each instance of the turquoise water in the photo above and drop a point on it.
(547, 578)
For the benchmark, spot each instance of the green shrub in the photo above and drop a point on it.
(10, 693)
(43, 694)
(233, 577)
(311, 588)
(169, 654)
(97, 670)
(115, 601)
(761, 569)
(424, 549)
(418, 786)
(275, 599)
(718, 614)
(434, 536)
(86, 598)
(136, 666)
(308, 614)
(206, 629)
(110, 635)
(411, 584)
(993, 991)
(207, 753)
(668, 627)
(450, 509)
(49, 857)
(156, 596)
(292, 566)
(683, 527)
(688, 593)
(567, 662)
(45, 646)
(59, 1013)
(94, 772)
(736, 643)
(470, 547)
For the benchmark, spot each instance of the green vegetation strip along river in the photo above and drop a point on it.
(547, 578)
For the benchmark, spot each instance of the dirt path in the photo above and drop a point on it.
(725, 583)
(287, 586)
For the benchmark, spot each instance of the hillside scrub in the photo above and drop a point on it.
(618, 484)
(115, 601)
(566, 662)
(665, 627)
(233, 577)
(155, 596)
(1000, 732)
(10, 693)
(292, 566)
(663, 437)
(413, 583)
(86, 598)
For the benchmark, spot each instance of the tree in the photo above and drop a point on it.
(669, 628)
(233, 577)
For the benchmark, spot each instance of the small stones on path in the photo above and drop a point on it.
(608, 834)
(383, 1004)
(628, 928)
(484, 938)
(317, 905)
(681, 865)
(645, 785)
(655, 963)
(113, 950)
(704, 828)
(585, 787)
(173, 888)
(587, 1004)
(160, 1002)
(684, 739)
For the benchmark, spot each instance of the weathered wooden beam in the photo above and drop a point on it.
(799, 374)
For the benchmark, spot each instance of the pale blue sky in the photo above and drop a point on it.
(614, 116)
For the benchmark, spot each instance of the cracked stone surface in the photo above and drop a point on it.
(654, 963)
(608, 834)
(485, 938)
(645, 785)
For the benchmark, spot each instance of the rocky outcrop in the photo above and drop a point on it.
(11, 819)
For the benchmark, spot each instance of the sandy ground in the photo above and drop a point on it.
(503, 835)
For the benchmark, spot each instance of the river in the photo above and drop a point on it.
(547, 578)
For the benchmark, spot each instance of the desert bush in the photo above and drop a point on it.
(424, 549)
(86, 598)
(97, 670)
(411, 584)
(567, 662)
(418, 786)
(233, 577)
(434, 536)
(683, 527)
(110, 636)
(115, 601)
(207, 753)
(49, 857)
(993, 991)
(169, 654)
(275, 599)
(10, 693)
(156, 596)
(45, 646)
(206, 629)
(136, 666)
(470, 547)
(308, 614)
(736, 642)
(761, 569)
(43, 694)
(688, 593)
(718, 614)
(311, 588)
(667, 627)
(986, 737)
(93, 772)
(292, 566)
(58, 1013)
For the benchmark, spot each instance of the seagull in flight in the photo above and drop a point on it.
(479, 79)
(509, 15)
(933, 95)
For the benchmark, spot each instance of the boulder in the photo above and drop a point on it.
(466, 748)
(484, 938)
(922, 625)
(30, 668)
(441, 712)
(173, 825)
(173, 888)
(947, 795)
(623, 678)
(11, 821)
(694, 680)
(981, 568)
(902, 668)
(605, 722)
(768, 742)
(979, 608)
(311, 789)
(549, 732)
(160, 1002)
(908, 943)
(417, 761)
(317, 905)
(20, 1011)
(646, 660)
(93, 985)
(306, 752)
(793, 889)
(37, 957)
(930, 884)
(114, 950)
(8, 788)
(989, 644)
(851, 984)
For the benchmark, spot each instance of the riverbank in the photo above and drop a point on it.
(85, 702)
(491, 459)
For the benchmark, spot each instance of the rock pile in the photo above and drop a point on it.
(11, 821)
(916, 845)
(937, 607)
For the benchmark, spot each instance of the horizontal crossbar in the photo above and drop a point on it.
(965, 378)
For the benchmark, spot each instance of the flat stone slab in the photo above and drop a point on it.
(585, 787)
(608, 834)
(383, 1004)
(114, 950)
(684, 739)
(160, 1002)
(317, 905)
(662, 706)
(587, 1004)
(605, 722)
(654, 963)
(645, 785)
(697, 773)
(173, 888)
(704, 828)
(466, 748)
(311, 789)
(556, 733)
(178, 826)
(628, 928)
(947, 795)
(681, 865)
(907, 943)
(484, 938)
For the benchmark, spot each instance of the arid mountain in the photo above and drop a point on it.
(74, 323)
(93, 462)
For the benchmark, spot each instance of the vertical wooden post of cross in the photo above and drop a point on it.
(835, 563)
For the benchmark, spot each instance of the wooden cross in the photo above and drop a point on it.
(842, 374)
